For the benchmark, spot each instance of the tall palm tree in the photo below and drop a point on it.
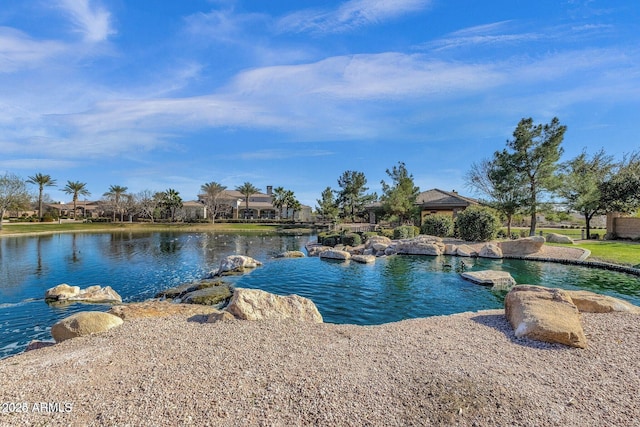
(76, 188)
(41, 180)
(247, 189)
(171, 201)
(115, 193)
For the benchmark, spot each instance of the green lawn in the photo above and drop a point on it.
(617, 252)
(24, 228)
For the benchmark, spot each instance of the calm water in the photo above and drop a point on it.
(138, 265)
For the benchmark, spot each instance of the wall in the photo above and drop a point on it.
(623, 227)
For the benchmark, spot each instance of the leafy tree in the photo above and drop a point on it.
(327, 207)
(76, 188)
(212, 198)
(535, 151)
(477, 224)
(115, 194)
(41, 180)
(621, 192)
(582, 179)
(171, 201)
(13, 194)
(247, 189)
(399, 197)
(497, 180)
(352, 198)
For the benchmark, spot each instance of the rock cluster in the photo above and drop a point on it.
(553, 315)
(92, 294)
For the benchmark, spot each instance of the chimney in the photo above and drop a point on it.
(269, 189)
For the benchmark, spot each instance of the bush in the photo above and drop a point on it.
(329, 239)
(478, 224)
(437, 225)
(386, 232)
(405, 232)
(369, 234)
(351, 239)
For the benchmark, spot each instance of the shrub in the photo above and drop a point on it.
(437, 225)
(329, 239)
(405, 232)
(478, 224)
(387, 232)
(351, 239)
(368, 234)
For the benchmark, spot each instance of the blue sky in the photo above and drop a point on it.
(153, 94)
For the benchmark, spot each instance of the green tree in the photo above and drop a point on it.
(116, 195)
(621, 192)
(247, 189)
(295, 206)
(278, 199)
(213, 198)
(399, 197)
(327, 207)
(500, 183)
(477, 224)
(171, 201)
(582, 178)
(13, 194)
(535, 151)
(352, 198)
(76, 188)
(41, 180)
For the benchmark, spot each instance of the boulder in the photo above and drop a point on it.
(92, 294)
(291, 254)
(37, 344)
(589, 302)
(255, 304)
(364, 259)
(209, 296)
(97, 294)
(84, 323)
(490, 250)
(498, 280)
(450, 249)
(316, 250)
(559, 238)
(544, 314)
(421, 245)
(156, 308)
(61, 292)
(521, 247)
(377, 243)
(182, 290)
(335, 254)
(220, 316)
(235, 264)
(466, 251)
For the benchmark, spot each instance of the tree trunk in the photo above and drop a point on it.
(40, 205)
(1, 217)
(509, 217)
(587, 222)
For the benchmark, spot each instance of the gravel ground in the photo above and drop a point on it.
(465, 369)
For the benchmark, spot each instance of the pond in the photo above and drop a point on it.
(138, 265)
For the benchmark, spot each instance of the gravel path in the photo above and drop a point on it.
(465, 369)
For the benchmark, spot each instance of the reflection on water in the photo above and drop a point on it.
(138, 265)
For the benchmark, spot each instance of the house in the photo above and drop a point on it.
(260, 206)
(436, 201)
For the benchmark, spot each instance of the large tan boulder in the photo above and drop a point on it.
(490, 250)
(421, 245)
(61, 292)
(236, 264)
(364, 259)
(377, 243)
(522, 247)
(498, 280)
(544, 314)
(255, 304)
(590, 302)
(291, 254)
(559, 238)
(84, 323)
(450, 249)
(335, 254)
(315, 249)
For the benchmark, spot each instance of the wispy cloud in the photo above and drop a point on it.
(279, 154)
(349, 15)
(90, 19)
(19, 51)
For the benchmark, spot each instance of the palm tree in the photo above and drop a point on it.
(171, 201)
(115, 192)
(41, 180)
(278, 199)
(76, 188)
(247, 189)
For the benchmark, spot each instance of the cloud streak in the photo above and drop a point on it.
(349, 16)
(89, 19)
